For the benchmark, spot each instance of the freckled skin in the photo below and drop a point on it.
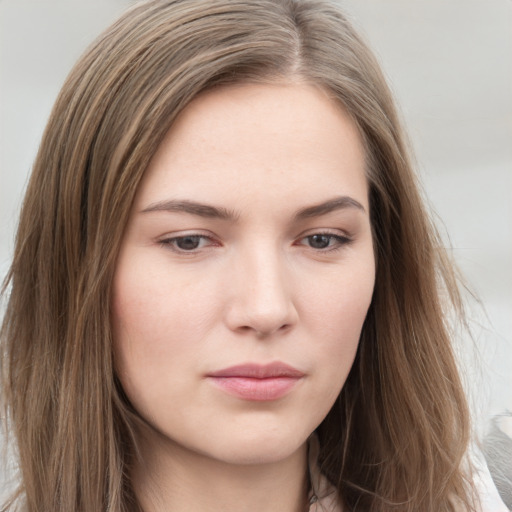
(257, 288)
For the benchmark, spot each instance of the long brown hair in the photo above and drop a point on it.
(396, 437)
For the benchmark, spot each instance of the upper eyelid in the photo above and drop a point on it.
(169, 239)
(191, 235)
(342, 238)
(170, 243)
(184, 234)
(325, 231)
(310, 232)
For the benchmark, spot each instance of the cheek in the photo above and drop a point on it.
(157, 334)
(158, 323)
(336, 317)
(339, 300)
(154, 307)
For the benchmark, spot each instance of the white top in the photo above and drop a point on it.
(323, 496)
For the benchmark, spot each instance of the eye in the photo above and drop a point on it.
(187, 243)
(324, 241)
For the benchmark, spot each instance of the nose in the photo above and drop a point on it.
(261, 295)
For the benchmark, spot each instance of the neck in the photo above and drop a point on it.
(170, 477)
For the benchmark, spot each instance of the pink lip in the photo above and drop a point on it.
(257, 382)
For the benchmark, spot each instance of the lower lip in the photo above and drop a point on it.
(258, 390)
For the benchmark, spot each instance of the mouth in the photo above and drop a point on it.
(255, 382)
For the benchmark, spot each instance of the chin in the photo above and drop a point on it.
(257, 447)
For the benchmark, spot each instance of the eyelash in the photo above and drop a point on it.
(172, 243)
(339, 241)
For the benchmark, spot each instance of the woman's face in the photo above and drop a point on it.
(245, 273)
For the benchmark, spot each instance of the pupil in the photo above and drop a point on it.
(188, 243)
(319, 241)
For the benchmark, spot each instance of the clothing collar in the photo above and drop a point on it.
(323, 496)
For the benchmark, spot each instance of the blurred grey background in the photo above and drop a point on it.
(449, 63)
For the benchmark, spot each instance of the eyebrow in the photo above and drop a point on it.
(337, 203)
(218, 212)
(185, 206)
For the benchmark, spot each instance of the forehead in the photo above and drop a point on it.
(285, 142)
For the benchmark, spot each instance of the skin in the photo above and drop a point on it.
(254, 285)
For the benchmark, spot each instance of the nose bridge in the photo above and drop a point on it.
(262, 296)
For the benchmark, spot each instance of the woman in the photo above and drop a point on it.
(226, 294)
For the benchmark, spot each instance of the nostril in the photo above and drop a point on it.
(262, 332)
(269, 332)
(264, 308)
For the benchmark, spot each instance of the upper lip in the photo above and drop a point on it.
(259, 371)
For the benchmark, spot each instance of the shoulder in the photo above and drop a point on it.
(488, 495)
